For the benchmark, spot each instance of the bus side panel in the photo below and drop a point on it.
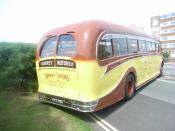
(115, 79)
(95, 82)
(151, 67)
(155, 65)
(116, 95)
(113, 83)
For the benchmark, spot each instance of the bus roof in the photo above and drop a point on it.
(98, 26)
(87, 34)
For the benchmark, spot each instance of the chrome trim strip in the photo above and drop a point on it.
(90, 107)
(66, 106)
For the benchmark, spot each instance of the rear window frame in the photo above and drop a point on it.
(58, 42)
(43, 44)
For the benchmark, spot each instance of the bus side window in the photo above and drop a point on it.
(148, 46)
(105, 49)
(120, 46)
(132, 46)
(49, 47)
(153, 47)
(142, 45)
(157, 47)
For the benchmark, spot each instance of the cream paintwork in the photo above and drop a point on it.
(88, 81)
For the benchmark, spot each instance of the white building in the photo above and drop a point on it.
(163, 26)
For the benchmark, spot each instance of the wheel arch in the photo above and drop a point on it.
(118, 93)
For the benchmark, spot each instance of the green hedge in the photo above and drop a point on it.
(17, 66)
(166, 54)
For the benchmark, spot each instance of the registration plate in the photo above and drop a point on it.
(57, 100)
(60, 101)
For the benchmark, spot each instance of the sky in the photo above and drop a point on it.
(28, 20)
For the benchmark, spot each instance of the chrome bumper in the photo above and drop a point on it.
(72, 104)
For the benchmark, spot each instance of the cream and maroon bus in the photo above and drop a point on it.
(91, 65)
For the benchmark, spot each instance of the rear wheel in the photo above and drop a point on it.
(130, 87)
(161, 70)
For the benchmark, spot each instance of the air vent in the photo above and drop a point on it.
(70, 32)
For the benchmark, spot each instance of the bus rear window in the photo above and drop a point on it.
(66, 46)
(49, 47)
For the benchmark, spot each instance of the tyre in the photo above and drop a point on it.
(130, 87)
(161, 70)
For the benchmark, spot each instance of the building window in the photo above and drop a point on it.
(172, 22)
(155, 23)
(173, 45)
(172, 30)
(163, 38)
(164, 46)
(164, 31)
(164, 24)
(173, 14)
(170, 45)
(163, 16)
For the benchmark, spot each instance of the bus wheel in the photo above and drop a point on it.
(130, 87)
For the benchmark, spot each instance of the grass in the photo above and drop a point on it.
(23, 112)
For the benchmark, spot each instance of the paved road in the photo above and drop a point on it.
(152, 109)
(169, 69)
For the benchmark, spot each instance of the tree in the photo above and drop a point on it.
(17, 62)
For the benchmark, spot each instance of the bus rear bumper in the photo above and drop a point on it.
(68, 103)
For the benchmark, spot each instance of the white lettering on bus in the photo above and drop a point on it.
(65, 63)
(48, 62)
